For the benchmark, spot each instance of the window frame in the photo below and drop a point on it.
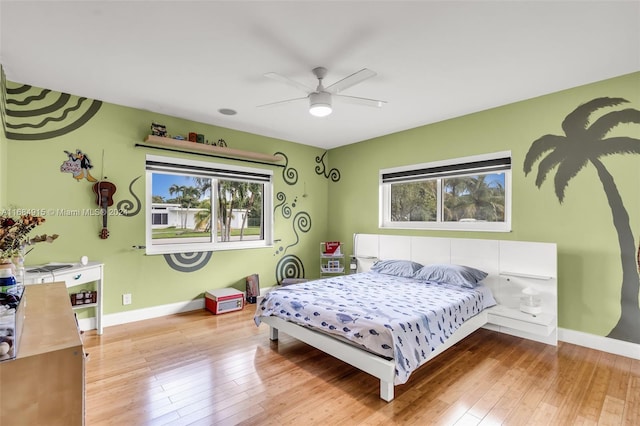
(180, 166)
(384, 196)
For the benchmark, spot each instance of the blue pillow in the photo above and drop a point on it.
(398, 268)
(461, 275)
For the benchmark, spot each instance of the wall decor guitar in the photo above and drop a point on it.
(104, 191)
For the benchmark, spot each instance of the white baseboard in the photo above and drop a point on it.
(149, 313)
(153, 312)
(601, 343)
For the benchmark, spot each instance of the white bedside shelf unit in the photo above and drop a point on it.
(75, 275)
(331, 263)
(536, 266)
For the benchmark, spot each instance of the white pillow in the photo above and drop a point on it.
(398, 268)
(461, 275)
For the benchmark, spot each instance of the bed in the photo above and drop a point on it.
(392, 316)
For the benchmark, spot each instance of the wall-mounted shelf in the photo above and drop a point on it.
(176, 145)
(523, 275)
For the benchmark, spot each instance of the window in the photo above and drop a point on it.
(470, 194)
(195, 206)
(159, 218)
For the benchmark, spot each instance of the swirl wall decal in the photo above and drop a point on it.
(16, 90)
(188, 262)
(290, 266)
(289, 174)
(46, 120)
(125, 206)
(333, 174)
(38, 97)
(29, 113)
(301, 222)
(286, 210)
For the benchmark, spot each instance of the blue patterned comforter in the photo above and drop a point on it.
(399, 318)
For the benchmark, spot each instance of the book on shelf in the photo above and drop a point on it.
(332, 248)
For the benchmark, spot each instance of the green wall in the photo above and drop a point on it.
(35, 181)
(582, 226)
(589, 267)
(3, 167)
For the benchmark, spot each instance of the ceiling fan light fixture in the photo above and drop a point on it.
(320, 104)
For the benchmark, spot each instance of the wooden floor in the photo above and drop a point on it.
(200, 369)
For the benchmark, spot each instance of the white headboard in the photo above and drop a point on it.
(511, 265)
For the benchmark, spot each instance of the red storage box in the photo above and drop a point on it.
(223, 300)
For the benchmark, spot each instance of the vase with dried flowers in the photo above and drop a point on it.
(14, 237)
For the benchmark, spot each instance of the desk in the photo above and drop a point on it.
(73, 276)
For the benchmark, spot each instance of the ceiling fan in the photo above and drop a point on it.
(320, 98)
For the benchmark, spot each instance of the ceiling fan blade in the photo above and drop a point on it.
(361, 101)
(286, 80)
(351, 80)
(286, 101)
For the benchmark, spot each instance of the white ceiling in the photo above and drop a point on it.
(434, 59)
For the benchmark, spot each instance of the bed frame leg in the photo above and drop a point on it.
(386, 390)
(273, 333)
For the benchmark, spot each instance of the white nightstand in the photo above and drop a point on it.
(72, 276)
(507, 317)
(542, 324)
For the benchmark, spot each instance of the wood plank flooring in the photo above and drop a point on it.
(200, 369)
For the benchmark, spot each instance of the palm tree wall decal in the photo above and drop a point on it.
(585, 143)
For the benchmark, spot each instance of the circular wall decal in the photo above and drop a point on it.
(188, 262)
(290, 266)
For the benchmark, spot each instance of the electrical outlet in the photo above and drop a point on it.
(126, 299)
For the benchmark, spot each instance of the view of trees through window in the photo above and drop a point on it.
(478, 197)
(185, 207)
(414, 201)
(239, 203)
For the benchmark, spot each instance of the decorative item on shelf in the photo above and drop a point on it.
(158, 129)
(193, 137)
(200, 138)
(530, 301)
(178, 137)
(104, 198)
(221, 142)
(332, 248)
(84, 297)
(213, 150)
